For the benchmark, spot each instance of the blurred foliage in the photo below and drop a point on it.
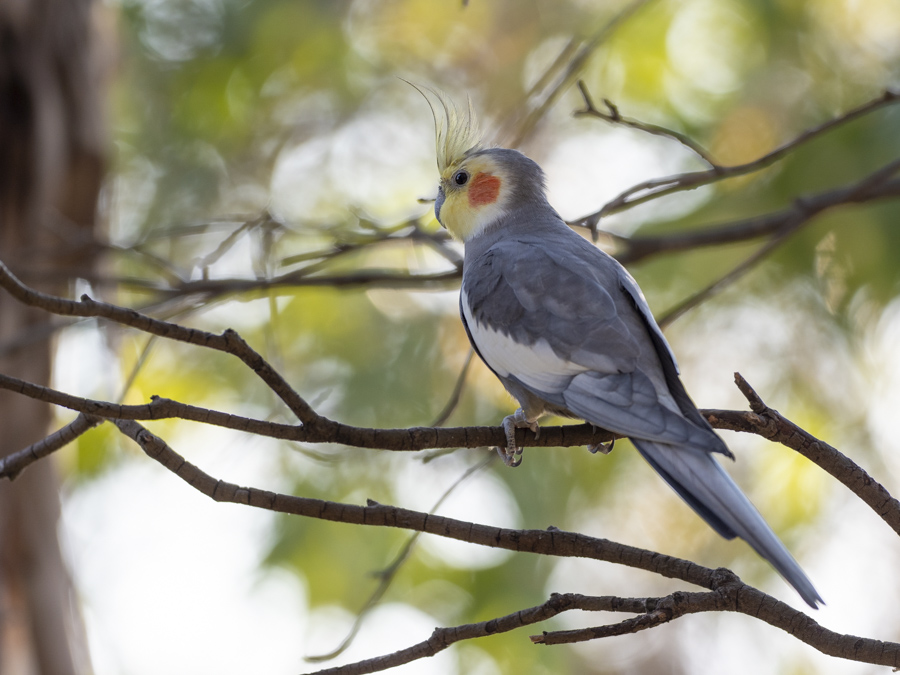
(224, 109)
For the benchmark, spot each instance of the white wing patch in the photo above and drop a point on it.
(535, 365)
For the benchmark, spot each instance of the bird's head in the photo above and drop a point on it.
(478, 185)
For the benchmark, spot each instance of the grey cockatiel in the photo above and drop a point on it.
(568, 332)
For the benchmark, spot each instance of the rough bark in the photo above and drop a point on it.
(51, 164)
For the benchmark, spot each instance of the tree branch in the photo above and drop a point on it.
(802, 210)
(322, 430)
(568, 76)
(738, 597)
(769, 423)
(658, 187)
(731, 593)
(12, 465)
(387, 575)
(614, 117)
(442, 638)
(792, 220)
(229, 341)
(548, 542)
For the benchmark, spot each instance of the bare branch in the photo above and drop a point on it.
(720, 284)
(738, 597)
(632, 625)
(873, 187)
(322, 430)
(730, 596)
(229, 341)
(548, 542)
(613, 117)
(771, 424)
(568, 76)
(442, 638)
(803, 208)
(12, 465)
(444, 415)
(387, 575)
(658, 187)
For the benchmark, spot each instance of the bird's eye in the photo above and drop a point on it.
(461, 178)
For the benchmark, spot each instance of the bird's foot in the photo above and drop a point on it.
(604, 448)
(512, 454)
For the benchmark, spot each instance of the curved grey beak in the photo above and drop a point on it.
(438, 203)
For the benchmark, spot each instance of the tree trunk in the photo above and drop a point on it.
(52, 148)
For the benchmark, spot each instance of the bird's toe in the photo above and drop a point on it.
(511, 456)
(604, 448)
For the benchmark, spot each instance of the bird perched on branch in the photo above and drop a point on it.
(568, 332)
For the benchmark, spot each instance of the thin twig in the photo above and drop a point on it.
(444, 415)
(613, 117)
(389, 573)
(139, 363)
(570, 74)
(12, 465)
(799, 215)
(226, 244)
(720, 284)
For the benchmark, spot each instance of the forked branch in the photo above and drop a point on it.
(659, 187)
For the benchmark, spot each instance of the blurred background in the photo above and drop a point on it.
(248, 159)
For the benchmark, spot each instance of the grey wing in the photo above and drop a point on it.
(556, 320)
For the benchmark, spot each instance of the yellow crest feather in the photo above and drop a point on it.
(455, 131)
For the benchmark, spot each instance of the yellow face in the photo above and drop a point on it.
(475, 192)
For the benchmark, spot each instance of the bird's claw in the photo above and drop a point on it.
(511, 459)
(604, 448)
(512, 454)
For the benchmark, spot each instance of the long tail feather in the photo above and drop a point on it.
(699, 479)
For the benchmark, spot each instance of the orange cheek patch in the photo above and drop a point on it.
(483, 189)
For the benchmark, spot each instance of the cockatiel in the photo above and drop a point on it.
(568, 332)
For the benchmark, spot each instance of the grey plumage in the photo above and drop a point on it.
(595, 353)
